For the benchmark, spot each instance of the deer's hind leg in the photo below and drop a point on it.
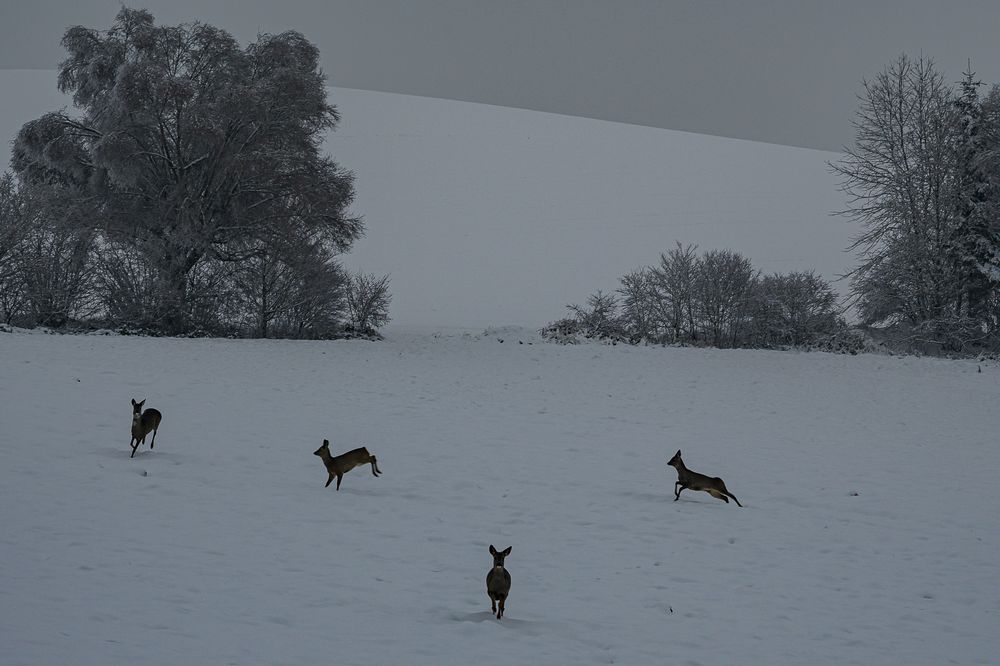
(725, 491)
(718, 495)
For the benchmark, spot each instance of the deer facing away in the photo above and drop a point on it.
(712, 485)
(337, 466)
(498, 580)
(142, 423)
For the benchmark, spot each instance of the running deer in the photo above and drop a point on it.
(712, 485)
(498, 580)
(337, 466)
(142, 423)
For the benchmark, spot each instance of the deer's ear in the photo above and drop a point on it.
(678, 452)
(326, 442)
(493, 551)
(133, 402)
(142, 402)
(507, 551)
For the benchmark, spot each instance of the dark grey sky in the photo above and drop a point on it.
(782, 71)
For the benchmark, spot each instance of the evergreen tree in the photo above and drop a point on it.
(975, 243)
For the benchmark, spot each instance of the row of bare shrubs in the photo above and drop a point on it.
(59, 277)
(714, 299)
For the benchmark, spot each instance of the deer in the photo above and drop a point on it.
(337, 466)
(142, 423)
(498, 580)
(712, 485)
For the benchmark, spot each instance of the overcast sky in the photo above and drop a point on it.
(782, 71)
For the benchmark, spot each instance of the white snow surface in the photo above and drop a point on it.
(870, 531)
(489, 215)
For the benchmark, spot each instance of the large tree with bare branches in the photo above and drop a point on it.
(922, 178)
(901, 177)
(189, 147)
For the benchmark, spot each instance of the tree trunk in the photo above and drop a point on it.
(176, 318)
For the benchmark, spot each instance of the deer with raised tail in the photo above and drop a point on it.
(712, 485)
(337, 466)
(143, 422)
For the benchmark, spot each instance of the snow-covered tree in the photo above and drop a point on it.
(126, 286)
(54, 262)
(723, 287)
(599, 318)
(640, 308)
(717, 299)
(901, 177)
(793, 309)
(989, 171)
(673, 282)
(265, 282)
(189, 147)
(13, 235)
(318, 291)
(976, 237)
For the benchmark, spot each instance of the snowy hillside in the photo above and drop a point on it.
(869, 535)
(487, 215)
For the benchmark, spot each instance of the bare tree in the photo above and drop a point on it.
(266, 283)
(54, 263)
(723, 285)
(639, 305)
(674, 283)
(793, 309)
(13, 235)
(368, 300)
(126, 286)
(318, 292)
(599, 318)
(901, 177)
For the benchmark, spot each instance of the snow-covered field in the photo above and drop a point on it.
(486, 214)
(871, 530)
(870, 533)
